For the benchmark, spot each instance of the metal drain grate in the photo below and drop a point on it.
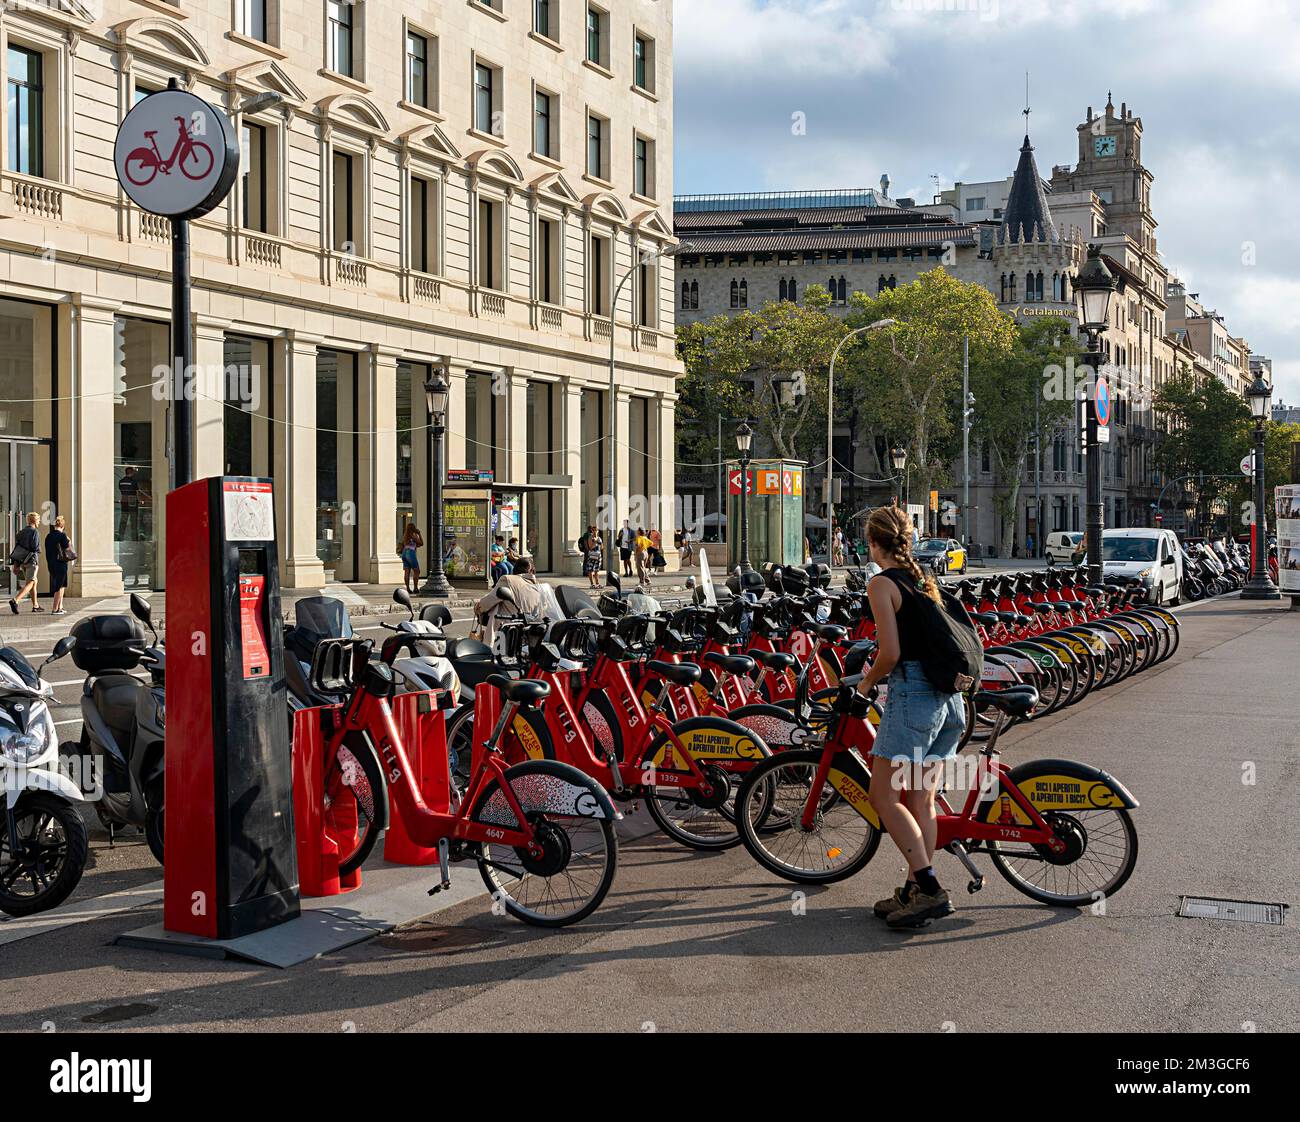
(1243, 911)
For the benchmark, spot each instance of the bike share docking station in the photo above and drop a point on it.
(234, 777)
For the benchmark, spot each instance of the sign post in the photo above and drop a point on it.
(184, 175)
(1097, 434)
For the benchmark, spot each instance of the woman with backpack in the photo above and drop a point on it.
(25, 561)
(921, 726)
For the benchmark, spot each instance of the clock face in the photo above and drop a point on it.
(1104, 146)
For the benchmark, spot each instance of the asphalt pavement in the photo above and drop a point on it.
(1209, 742)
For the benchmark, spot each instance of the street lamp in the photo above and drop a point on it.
(1094, 286)
(830, 434)
(898, 458)
(744, 440)
(1260, 586)
(644, 259)
(436, 392)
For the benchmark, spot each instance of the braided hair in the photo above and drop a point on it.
(891, 530)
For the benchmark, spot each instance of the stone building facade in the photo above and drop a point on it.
(461, 185)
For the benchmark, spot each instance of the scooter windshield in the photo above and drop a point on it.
(321, 617)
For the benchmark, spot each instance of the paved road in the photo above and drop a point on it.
(1209, 742)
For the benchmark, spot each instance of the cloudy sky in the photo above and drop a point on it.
(919, 88)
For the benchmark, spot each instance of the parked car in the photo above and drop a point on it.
(943, 555)
(1148, 555)
(1065, 547)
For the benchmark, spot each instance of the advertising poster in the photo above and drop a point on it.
(465, 538)
(1287, 509)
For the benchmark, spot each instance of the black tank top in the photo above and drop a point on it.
(910, 643)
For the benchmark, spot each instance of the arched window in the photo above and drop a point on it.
(735, 295)
(1056, 286)
(1038, 285)
(844, 291)
(744, 293)
(686, 294)
(893, 281)
(1004, 288)
(1013, 288)
(1029, 287)
(784, 289)
(794, 291)
(1065, 288)
(695, 294)
(880, 285)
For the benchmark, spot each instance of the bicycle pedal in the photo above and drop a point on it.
(975, 885)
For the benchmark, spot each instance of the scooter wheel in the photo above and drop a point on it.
(52, 858)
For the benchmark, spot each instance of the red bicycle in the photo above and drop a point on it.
(541, 832)
(1057, 830)
(194, 158)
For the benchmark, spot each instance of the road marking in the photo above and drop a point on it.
(11, 930)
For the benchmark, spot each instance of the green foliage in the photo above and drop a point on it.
(1208, 432)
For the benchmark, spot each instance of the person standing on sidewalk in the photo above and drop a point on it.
(920, 728)
(626, 543)
(25, 562)
(58, 555)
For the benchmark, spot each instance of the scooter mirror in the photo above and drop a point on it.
(63, 646)
(612, 581)
(402, 597)
(140, 609)
(690, 582)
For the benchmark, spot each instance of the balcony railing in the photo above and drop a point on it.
(425, 288)
(552, 319)
(492, 304)
(154, 227)
(41, 199)
(262, 251)
(649, 340)
(350, 270)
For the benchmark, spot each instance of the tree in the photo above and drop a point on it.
(733, 364)
(907, 380)
(1013, 411)
(1278, 438)
(1208, 434)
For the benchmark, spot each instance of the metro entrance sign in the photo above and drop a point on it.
(177, 156)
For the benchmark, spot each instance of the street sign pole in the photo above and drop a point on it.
(1098, 401)
(182, 357)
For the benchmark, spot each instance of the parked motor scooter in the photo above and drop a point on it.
(122, 717)
(426, 666)
(315, 618)
(43, 844)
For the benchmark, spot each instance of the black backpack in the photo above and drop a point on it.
(954, 657)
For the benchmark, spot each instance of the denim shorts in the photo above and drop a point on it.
(918, 722)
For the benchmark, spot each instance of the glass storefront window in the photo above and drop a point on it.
(412, 448)
(248, 396)
(594, 461)
(139, 451)
(336, 505)
(26, 419)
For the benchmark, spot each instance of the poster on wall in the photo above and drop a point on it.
(465, 538)
(1287, 508)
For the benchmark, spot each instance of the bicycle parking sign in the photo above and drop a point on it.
(176, 155)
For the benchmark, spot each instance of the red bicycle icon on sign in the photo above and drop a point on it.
(194, 158)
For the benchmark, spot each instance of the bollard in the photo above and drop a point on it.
(318, 850)
(423, 730)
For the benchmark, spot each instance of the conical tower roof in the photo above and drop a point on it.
(1027, 217)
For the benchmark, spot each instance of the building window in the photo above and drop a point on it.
(597, 36)
(417, 69)
(596, 139)
(422, 237)
(485, 92)
(342, 27)
(599, 274)
(643, 180)
(548, 261)
(744, 293)
(26, 111)
(543, 125)
(254, 21)
(253, 178)
(491, 239)
(686, 294)
(645, 290)
(348, 203)
(643, 62)
(735, 294)
(976, 203)
(542, 18)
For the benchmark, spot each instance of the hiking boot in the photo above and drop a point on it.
(890, 904)
(920, 909)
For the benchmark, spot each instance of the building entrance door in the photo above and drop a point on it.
(17, 496)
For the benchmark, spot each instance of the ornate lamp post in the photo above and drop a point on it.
(744, 441)
(1260, 586)
(1095, 285)
(436, 392)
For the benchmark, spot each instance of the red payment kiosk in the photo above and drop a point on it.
(231, 861)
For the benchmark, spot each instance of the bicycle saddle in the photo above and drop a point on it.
(827, 632)
(679, 673)
(1093, 590)
(988, 619)
(775, 660)
(1014, 701)
(520, 691)
(1042, 607)
(731, 663)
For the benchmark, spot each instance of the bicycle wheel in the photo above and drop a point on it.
(573, 820)
(356, 804)
(841, 840)
(197, 161)
(1101, 848)
(460, 744)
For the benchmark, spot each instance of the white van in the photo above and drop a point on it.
(1152, 556)
(1064, 547)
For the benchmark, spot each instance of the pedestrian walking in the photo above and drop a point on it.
(412, 543)
(59, 555)
(626, 543)
(24, 561)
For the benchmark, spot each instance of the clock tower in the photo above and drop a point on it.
(1110, 163)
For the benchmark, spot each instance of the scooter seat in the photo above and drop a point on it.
(114, 697)
(679, 673)
(731, 663)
